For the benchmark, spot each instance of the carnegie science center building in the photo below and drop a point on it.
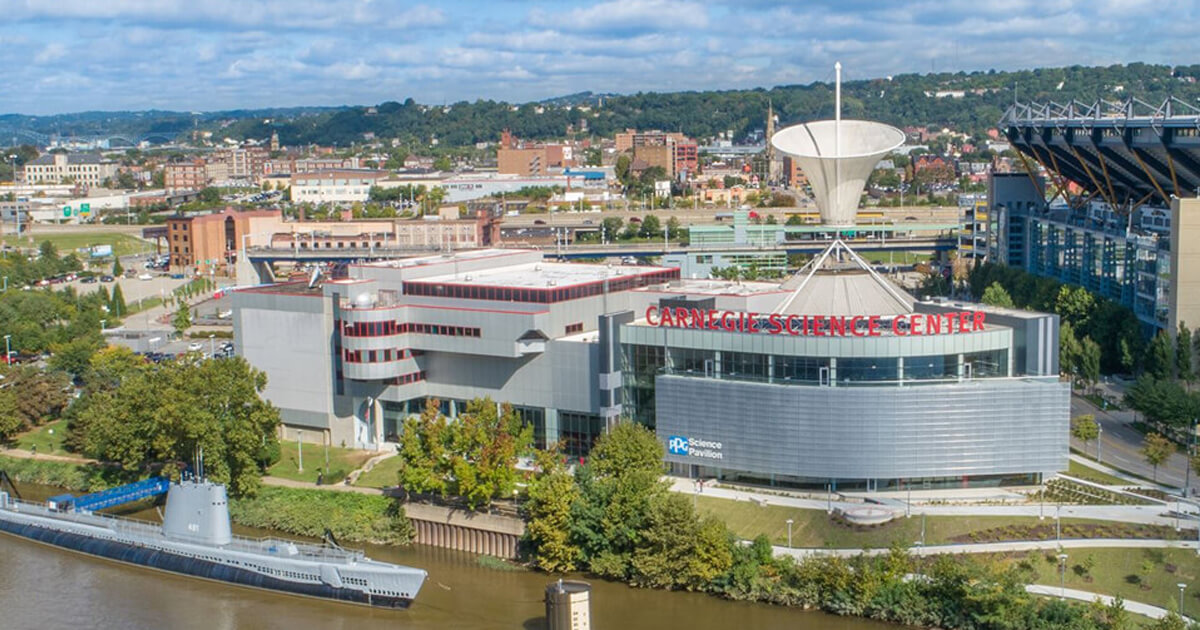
(835, 375)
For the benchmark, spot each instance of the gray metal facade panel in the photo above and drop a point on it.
(982, 427)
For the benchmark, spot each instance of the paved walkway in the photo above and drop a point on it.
(308, 485)
(1153, 612)
(1121, 444)
(24, 454)
(1000, 547)
(1145, 514)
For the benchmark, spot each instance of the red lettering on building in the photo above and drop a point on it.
(914, 324)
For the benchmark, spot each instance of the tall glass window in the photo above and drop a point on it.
(931, 367)
(579, 432)
(865, 370)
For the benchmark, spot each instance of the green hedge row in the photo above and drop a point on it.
(351, 516)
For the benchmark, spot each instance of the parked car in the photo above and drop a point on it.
(88, 280)
(106, 278)
(195, 346)
(145, 276)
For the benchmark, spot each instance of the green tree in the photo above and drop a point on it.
(1089, 361)
(424, 452)
(552, 492)
(210, 195)
(651, 228)
(622, 168)
(74, 356)
(1185, 365)
(167, 415)
(611, 227)
(1085, 429)
(996, 295)
(116, 304)
(616, 485)
(674, 231)
(117, 269)
(485, 446)
(1074, 305)
(1160, 357)
(1070, 351)
(1155, 450)
(443, 164)
(10, 422)
(42, 395)
(182, 319)
(677, 550)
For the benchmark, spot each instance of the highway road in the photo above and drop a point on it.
(1121, 446)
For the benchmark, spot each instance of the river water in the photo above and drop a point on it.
(44, 588)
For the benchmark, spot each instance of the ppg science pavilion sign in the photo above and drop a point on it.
(913, 324)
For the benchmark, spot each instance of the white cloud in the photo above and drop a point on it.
(212, 54)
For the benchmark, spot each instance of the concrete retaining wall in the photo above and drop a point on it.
(462, 530)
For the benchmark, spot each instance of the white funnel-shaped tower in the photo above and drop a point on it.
(838, 157)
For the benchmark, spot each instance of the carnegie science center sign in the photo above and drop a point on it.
(912, 324)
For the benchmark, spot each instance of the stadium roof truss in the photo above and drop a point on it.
(1126, 152)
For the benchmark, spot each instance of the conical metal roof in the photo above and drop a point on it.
(840, 283)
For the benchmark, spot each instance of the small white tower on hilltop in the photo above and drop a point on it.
(838, 156)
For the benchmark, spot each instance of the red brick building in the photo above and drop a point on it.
(190, 175)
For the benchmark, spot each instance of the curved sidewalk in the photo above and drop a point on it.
(1000, 547)
(1153, 612)
(1144, 514)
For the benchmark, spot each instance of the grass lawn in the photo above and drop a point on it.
(814, 528)
(1080, 471)
(135, 306)
(898, 258)
(341, 462)
(48, 438)
(1119, 572)
(122, 244)
(384, 474)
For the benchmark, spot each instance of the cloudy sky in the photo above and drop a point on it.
(73, 55)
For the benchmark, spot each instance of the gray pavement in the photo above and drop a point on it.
(1153, 612)
(1001, 547)
(1146, 514)
(1121, 444)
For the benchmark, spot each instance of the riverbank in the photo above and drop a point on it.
(863, 585)
(350, 516)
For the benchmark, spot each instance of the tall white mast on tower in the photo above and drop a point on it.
(837, 130)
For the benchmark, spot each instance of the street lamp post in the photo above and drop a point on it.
(789, 524)
(299, 451)
(1042, 500)
(829, 498)
(1062, 576)
(922, 530)
(1099, 442)
(8, 349)
(12, 158)
(212, 346)
(1182, 586)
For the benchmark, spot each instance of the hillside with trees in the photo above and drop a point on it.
(970, 102)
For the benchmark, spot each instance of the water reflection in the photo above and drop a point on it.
(46, 588)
